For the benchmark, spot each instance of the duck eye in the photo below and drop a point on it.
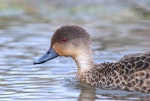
(64, 39)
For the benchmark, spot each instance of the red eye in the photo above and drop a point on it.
(63, 39)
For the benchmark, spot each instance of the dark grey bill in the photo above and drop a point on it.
(51, 54)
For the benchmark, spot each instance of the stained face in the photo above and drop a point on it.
(64, 46)
(67, 40)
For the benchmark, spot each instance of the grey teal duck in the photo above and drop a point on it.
(132, 72)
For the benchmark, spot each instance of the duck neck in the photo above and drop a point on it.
(84, 61)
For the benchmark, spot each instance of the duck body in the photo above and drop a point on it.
(132, 72)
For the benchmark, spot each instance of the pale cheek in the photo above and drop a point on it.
(65, 50)
(59, 49)
(73, 52)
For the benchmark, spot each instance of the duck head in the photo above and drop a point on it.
(72, 41)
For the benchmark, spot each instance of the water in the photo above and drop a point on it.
(23, 40)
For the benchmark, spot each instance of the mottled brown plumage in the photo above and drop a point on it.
(132, 72)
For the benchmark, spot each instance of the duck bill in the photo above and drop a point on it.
(51, 54)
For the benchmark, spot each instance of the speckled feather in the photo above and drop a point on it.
(131, 73)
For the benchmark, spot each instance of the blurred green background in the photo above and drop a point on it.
(72, 11)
